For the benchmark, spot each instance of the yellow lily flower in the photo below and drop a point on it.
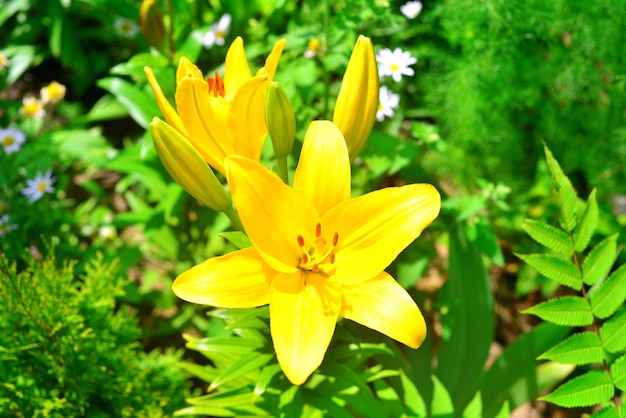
(221, 117)
(357, 102)
(317, 254)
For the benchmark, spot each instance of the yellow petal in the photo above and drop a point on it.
(374, 228)
(323, 173)
(236, 70)
(272, 213)
(246, 118)
(192, 100)
(271, 62)
(187, 68)
(166, 108)
(236, 280)
(380, 303)
(357, 103)
(303, 314)
(187, 167)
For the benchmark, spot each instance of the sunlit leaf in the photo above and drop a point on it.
(599, 261)
(618, 372)
(608, 412)
(610, 295)
(555, 268)
(591, 388)
(566, 310)
(566, 193)
(442, 406)
(412, 399)
(588, 223)
(475, 408)
(549, 236)
(504, 411)
(580, 348)
(613, 332)
(249, 362)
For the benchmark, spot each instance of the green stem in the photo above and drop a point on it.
(234, 218)
(283, 173)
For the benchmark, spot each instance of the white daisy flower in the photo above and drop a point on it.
(217, 33)
(38, 186)
(5, 226)
(395, 64)
(411, 9)
(11, 139)
(388, 101)
(126, 27)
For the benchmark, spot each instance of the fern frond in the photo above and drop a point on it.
(580, 348)
(570, 311)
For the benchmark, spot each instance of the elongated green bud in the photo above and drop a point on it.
(357, 103)
(280, 120)
(187, 167)
(151, 22)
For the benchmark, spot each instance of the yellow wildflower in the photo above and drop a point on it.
(53, 92)
(221, 117)
(32, 108)
(317, 254)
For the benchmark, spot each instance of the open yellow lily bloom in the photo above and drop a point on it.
(357, 102)
(317, 254)
(221, 117)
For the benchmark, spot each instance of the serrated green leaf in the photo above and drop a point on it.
(613, 333)
(599, 260)
(505, 411)
(608, 412)
(475, 408)
(555, 268)
(580, 348)
(549, 236)
(589, 389)
(610, 295)
(571, 311)
(566, 193)
(442, 406)
(618, 372)
(588, 223)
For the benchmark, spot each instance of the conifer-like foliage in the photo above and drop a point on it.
(69, 349)
(595, 304)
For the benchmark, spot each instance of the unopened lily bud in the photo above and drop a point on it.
(357, 103)
(151, 21)
(280, 119)
(187, 167)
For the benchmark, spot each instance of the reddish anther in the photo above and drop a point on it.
(318, 230)
(300, 241)
(335, 239)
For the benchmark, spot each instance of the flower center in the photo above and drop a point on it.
(42, 186)
(320, 256)
(216, 85)
(8, 140)
(394, 67)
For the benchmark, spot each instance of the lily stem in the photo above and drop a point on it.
(283, 173)
(234, 218)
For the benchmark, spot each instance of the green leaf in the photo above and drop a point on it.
(591, 388)
(566, 193)
(505, 411)
(237, 238)
(233, 345)
(555, 268)
(141, 106)
(618, 372)
(442, 403)
(608, 412)
(471, 320)
(549, 236)
(610, 295)
(580, 348)
(599, 261)
(572, 311)
(588, 223)
(267, 374)
(412, 399)
(613, 332)
(247, 363)
(475, 408)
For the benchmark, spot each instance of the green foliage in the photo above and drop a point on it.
(67, 348)
(599, 308)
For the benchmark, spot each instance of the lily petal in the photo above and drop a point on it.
(192, 99)
(374, 228)
(382, 304)
(266, 207)
(236, 70)
(236, 280)
(303, 314)
(323, 173)
(271, 62)
(187, 68)
(246, 118)
(166, 108)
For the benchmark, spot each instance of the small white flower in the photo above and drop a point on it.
(5, 226)
(38, 186)
(11, 139)
(126, 27)
(217, 33)
(107, 232)
(313, 49)
(387, 102)
(411, 9)
(395, 64)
